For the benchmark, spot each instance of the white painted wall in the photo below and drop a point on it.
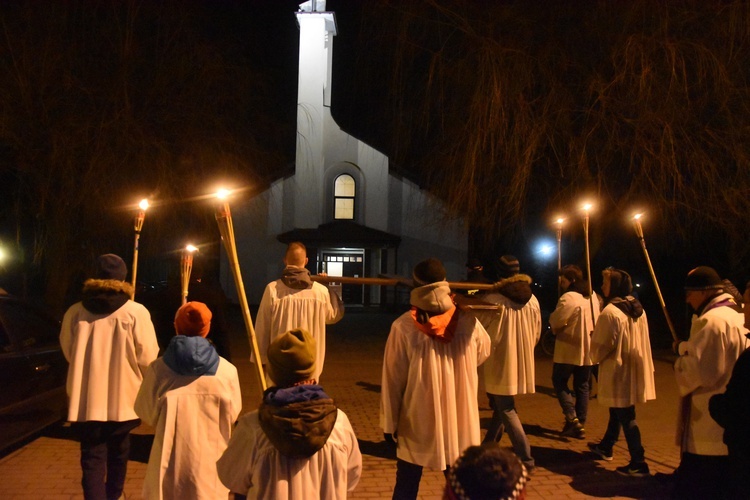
(384, 201)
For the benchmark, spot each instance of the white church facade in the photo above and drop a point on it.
(355, 216)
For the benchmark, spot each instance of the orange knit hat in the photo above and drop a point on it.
(193, 319)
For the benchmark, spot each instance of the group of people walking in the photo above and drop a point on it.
(299, 444)
(713, 439)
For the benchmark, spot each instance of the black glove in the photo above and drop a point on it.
(390, 438)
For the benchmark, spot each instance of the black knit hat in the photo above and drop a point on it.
(429, 271)
(508, 266)
(703, 278)
(110, 267)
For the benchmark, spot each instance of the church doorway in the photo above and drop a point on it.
(345, 262)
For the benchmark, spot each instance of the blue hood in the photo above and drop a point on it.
(191, 356)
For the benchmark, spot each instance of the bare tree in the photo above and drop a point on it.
(511, 110)
(105, 103)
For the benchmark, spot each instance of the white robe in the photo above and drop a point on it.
(193, 417)
(282, 309)
(622, 348)
(572, 325)
(717, 338)
(108, 355)
(514, 330)
(252, 466)
(429, 391)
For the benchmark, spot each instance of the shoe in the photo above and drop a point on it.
(596, 449)
(573, 428)
(634, 470)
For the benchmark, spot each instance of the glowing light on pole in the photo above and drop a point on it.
(226, 228)
(138, 226)
(639, 233)
(559, 223)
(586, 209)
(186, 267)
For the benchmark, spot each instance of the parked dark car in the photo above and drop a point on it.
(33, 371)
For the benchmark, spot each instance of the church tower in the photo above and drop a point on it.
(317, 29)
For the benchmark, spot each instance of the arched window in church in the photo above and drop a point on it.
(344, 191)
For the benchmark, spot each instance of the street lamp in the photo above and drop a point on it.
(639, 232)
(138, 225)
(226, 228)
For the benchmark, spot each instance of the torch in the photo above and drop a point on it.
(559, 223)
(186, 266)
(224, 220)
(138, 225)
(639, 233)
(586, 209)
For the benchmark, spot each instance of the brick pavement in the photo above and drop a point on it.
(48, 466)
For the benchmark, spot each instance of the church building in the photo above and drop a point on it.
(355, 216)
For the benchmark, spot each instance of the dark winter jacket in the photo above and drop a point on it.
(517, 288)
(629, 305)
(191, 356)
(105, 296)
(732, 408)
(296, 277)
(297, 420)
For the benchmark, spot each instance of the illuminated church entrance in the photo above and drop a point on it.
(346, 262)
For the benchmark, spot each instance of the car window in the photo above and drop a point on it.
(27, 326)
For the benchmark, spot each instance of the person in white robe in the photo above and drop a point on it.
(191, 396)
(429, 405)
(572, 324)
(295, 301)
(109, 341)
(514, 329)
(298, 445)
(622, 347)
(707, 358)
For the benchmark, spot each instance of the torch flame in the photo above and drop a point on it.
(222, 193)
(143, 205)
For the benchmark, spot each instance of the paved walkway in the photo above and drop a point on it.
(48, 466)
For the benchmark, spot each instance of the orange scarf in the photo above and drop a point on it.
(440, 327)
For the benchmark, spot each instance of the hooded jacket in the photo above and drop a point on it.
(192, 398)
(297, 445)
(191, 356)
(514, 329)
(622, 348)
(109, 341)
(429, 385)
(297, 420)
(516, 288)
(433, 311)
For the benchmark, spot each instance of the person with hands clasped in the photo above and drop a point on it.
(705, 364)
